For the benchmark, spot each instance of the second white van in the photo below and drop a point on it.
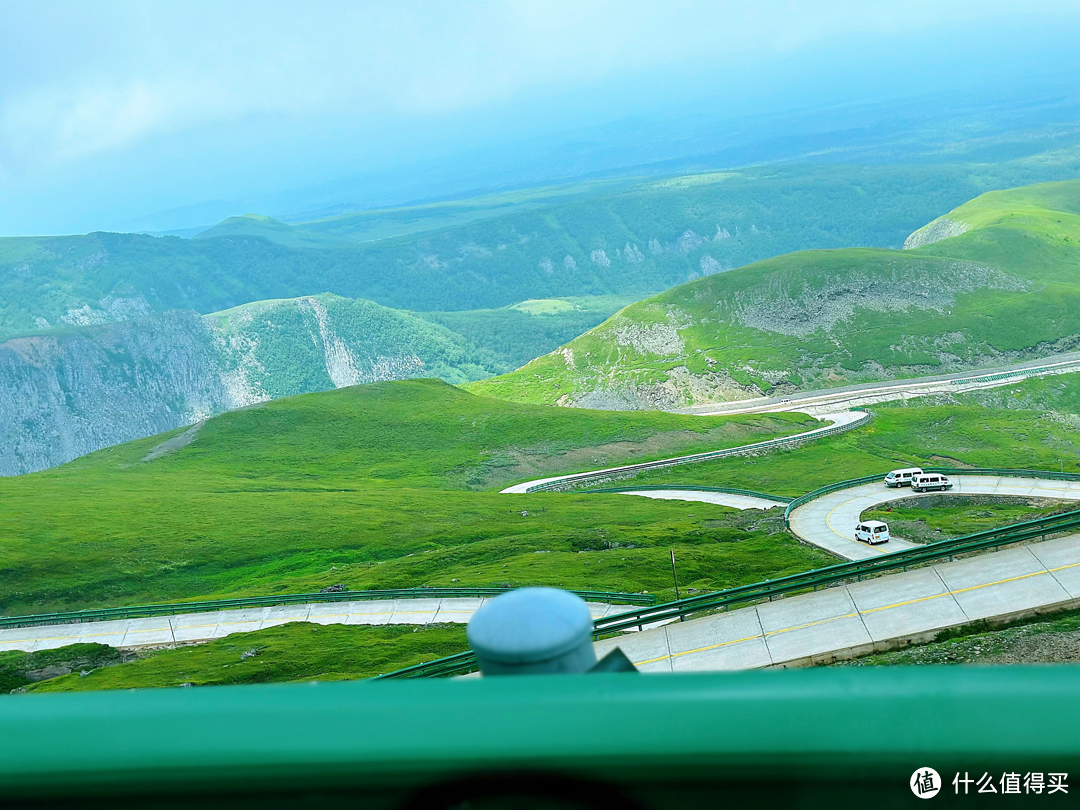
(902, 478)
(929, 481)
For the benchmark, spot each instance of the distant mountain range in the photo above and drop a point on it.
(995, 280)
(110, 337)
(627, 237)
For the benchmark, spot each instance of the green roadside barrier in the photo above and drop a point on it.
(143, 611)
(1004, 375)
(829, 737)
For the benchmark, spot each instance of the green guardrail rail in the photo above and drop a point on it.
(806, 738)
(169, 609)
(1040, 528)
(633, 469)
(1005, 375)
(661, 488)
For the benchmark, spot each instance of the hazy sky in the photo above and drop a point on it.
(109, 110)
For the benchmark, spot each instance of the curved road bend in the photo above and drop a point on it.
(188, 628)
(829, 521)
(191, 628)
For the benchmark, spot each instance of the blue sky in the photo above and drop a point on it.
(111, 110)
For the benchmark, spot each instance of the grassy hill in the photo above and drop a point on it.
(67, 392)
(994, 281)
(382, 485)
(377, 486)
(626, 237)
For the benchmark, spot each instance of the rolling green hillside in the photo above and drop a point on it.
(994, 281)
(629, 237)
(375, 486)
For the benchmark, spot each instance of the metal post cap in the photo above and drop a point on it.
(533, 630)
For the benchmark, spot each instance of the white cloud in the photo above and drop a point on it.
(168, 67)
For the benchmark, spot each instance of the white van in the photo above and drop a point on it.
(902, 478)
(928, 481)
(872, 532)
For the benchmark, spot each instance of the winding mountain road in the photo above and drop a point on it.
(838, 622)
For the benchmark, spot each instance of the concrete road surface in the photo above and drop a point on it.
(875, 614)
(187, 628)
(701, 496)
(829, 521)
(858, 396)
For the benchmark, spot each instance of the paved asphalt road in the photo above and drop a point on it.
(836, 622)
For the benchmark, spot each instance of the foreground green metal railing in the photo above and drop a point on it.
(829, 737)
(879, 478)
(1040, 528)
(633, 469)
(144, 611)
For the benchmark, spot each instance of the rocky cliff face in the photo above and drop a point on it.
(69, 393)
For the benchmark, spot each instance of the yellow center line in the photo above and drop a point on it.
(828, 519)
(857, 613)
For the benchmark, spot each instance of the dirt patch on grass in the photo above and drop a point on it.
(514, 464)
(175, 443)
(1051, 642)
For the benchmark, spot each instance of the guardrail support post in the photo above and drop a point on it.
(533, 631)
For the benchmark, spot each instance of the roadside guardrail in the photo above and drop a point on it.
(1037, 529)
(632, 469)
(1005, 375)
(145, 611)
